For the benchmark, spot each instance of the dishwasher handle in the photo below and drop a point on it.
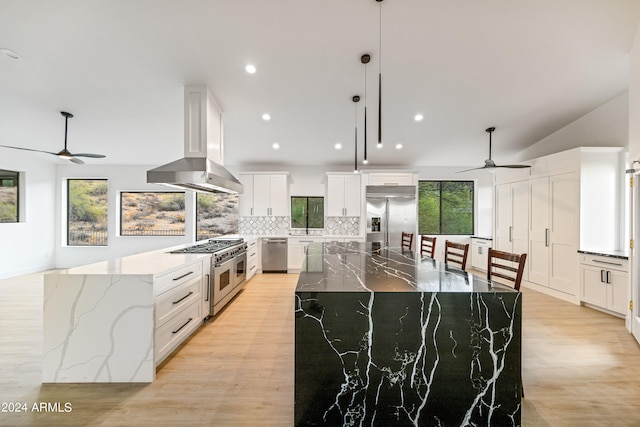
(275, 240)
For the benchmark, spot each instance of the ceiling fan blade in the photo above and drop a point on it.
(76, 161)
(512, 166)
(95, 156)
(28, 149)
(474, 169)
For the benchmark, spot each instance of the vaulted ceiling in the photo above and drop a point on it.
(527, 68)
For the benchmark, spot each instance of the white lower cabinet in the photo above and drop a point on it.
(296, 251)
(179, 306)
(252, 257)
(604, 283)
(479, 253)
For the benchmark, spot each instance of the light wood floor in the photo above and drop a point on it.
(580, 367)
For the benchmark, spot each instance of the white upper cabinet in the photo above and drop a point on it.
(266, 194)
(392, 178)
(343, 195)
(245, 200)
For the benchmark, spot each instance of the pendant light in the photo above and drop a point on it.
(380, 74)
(355, 100)
(365, 60)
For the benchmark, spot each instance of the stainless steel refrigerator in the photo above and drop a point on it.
(390, 211)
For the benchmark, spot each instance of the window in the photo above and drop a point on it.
(307, 212)
(216, 215)
(152, 214)
(9, 190)
(445, 207)
(87, 207)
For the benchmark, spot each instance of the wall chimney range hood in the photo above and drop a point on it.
(201, 167)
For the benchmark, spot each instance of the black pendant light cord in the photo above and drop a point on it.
(365, 60)
(355, 100)
(380, 73)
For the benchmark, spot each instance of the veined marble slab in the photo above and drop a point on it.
(383, 338)
(98, 328)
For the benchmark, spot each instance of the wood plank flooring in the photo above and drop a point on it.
(580, 367)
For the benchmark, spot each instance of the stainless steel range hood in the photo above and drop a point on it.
(201, 167)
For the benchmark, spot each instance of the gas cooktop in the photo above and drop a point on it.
(210, 246)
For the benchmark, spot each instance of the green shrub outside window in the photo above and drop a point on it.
(445, 207)
(307, 212)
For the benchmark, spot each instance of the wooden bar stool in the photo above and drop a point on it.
(456, 253)
(499, 266)
(427, 246)
(407, 240)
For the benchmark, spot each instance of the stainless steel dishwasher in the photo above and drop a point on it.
(274, 255)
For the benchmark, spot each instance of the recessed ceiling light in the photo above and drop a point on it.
(398, 146)
(10, 54)
(276, 146)
(418, 117)
(266, 117)
(251, 69)
(338, 146)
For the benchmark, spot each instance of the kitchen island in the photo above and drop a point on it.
(115, 321)
(385, 338)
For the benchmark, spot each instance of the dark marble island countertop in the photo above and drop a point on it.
(368, 267)
(384, 338)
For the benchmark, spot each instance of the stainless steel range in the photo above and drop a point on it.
(228, 269)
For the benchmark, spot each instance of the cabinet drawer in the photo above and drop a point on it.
(174, 331)
(604, 262)
(481, 242)
(171, 302)
(177, 277)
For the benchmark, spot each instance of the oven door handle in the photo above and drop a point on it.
(228, 261)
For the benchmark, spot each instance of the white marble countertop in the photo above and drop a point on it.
(156, 263)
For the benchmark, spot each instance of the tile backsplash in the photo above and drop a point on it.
(279, 225)
(342, 225)
(264, 225)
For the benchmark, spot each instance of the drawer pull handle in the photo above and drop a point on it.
(184, 275)
(606, 262)
(184, 297)
(253, 267)
(187, 322)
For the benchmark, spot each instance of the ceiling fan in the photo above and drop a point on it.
(64, 153)
(490, 164)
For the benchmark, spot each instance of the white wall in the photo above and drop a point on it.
(634, 98)
(28, 246)
(606, 126)
(121, 178)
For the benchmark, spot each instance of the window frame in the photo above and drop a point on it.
(18, 185)
(197, 219)
(472, 184)
(68, 228)
(307, 213)
(127, 233)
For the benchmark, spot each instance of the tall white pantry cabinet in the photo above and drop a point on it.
(567, 202)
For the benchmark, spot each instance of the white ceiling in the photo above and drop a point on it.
(528, 68)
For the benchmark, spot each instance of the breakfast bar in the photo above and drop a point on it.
(383, 337)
